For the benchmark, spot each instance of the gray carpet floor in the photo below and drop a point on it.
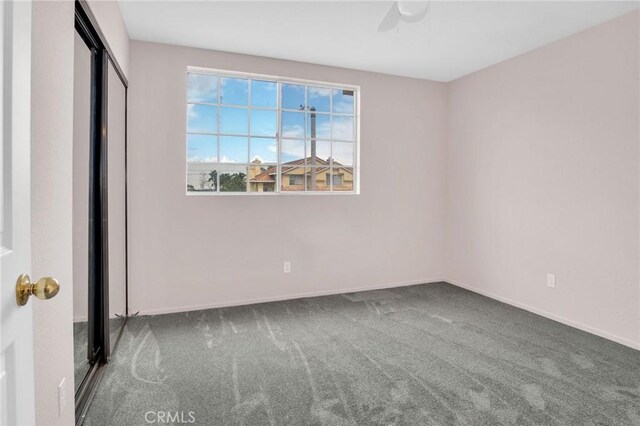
(430, 354)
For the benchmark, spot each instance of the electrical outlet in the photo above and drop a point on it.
(62, 395)
(287, 267)
(551, 280)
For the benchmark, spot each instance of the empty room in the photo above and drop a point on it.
(319, 212)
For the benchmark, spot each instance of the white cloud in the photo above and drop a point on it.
(323, 131)
(234, 84)
(293, 148)
(271, 87)
(343, 128)
(343, 152)
(191, 111)
(318, 91)
(226, 159)
(201, 87)
(293, 131)
(200, 159)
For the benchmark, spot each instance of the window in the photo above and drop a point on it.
(335, 179)
(256, 134)
(296, 180)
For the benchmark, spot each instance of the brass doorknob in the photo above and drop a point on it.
(44, 289)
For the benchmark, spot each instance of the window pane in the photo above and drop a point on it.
(292, 96)
(264, 94)
(233, 178)
(319, 98)
(262, 178)
(343, 101)
(342, 128)
(202, 88)
(234, 121)
(317, 178)
(292, 178)
(264, 150)
(343, 153)
(322, 126)
(234, 91)
(202, 148)
(201, 177)
(342, 178)
(322, 152)
(292, 125)
(202, 118)
(263, 123)
(292, 151)
(234, 149)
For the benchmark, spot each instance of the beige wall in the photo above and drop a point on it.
(52, 193)
(543, 177)
(189, 252)
(51, 203)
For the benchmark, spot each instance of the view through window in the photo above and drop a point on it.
(249, 134)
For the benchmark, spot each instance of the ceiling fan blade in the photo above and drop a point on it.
(391, 19)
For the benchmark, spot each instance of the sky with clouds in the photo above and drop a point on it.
(206, 122)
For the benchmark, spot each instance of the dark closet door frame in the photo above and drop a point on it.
(98, 309)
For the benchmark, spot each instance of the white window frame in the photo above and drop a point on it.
(279, 110)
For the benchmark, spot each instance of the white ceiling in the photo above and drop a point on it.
(455, 39)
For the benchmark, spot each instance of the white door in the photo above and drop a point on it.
(16, 337)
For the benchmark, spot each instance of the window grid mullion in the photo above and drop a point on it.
(331, 138)
(304, 137)
(279, 137)
(249, 135)
(218, 98)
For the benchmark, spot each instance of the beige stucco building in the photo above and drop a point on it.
(316, 175)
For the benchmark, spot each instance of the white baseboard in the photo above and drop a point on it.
(281, 297)
(560, 319)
